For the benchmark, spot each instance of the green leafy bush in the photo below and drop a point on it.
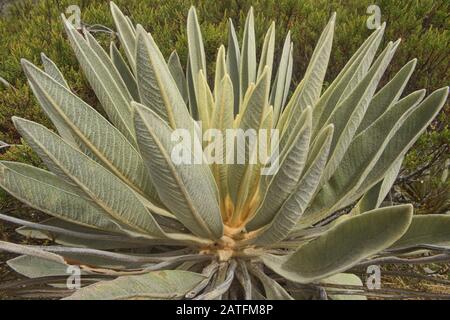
(32, 27)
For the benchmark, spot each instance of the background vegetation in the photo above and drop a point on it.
(28, 28)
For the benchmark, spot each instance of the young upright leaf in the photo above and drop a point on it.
(127, 76)
(127, 34)
(282, 81)
(233, 61)
(251, 119)
(223, 120)
(267, 51)
(157, 88)
(247, 68)
(197, 60)
(221, 69)
(113, 96)
(176, 70)
(205, 101)
(315, 73)
(185, 188)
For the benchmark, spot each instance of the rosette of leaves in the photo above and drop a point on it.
(138, 225)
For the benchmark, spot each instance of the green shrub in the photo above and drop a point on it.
(30, 27)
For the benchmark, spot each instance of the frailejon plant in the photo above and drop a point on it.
(139, 225)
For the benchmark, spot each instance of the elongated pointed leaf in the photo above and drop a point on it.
(292, 209)
(251, 119)
(157, 87)
(314, 76)
(267, 51)
(353, 71)
(387, 96)
(196, 60)
(361, 157)
(205, 101)
(52, 70)
(127, 35)
(46, 192)
(247, 68)
(170, 284)
(33, 267)
(109, 65)
(93, 134)
(429, 229)
(349, 113)
(273, 290)
(375, 196)
(221, 70)
(233, 61)
(113, 96)
(405, 137)
(186, 189)
(282, 81)
(124, 71)
(344, 246)
(195, 43)
(75, 235)
(93, 181)
(30, 251)
(223, 120)
(284, 181)
(176, 70)
(192, 97)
